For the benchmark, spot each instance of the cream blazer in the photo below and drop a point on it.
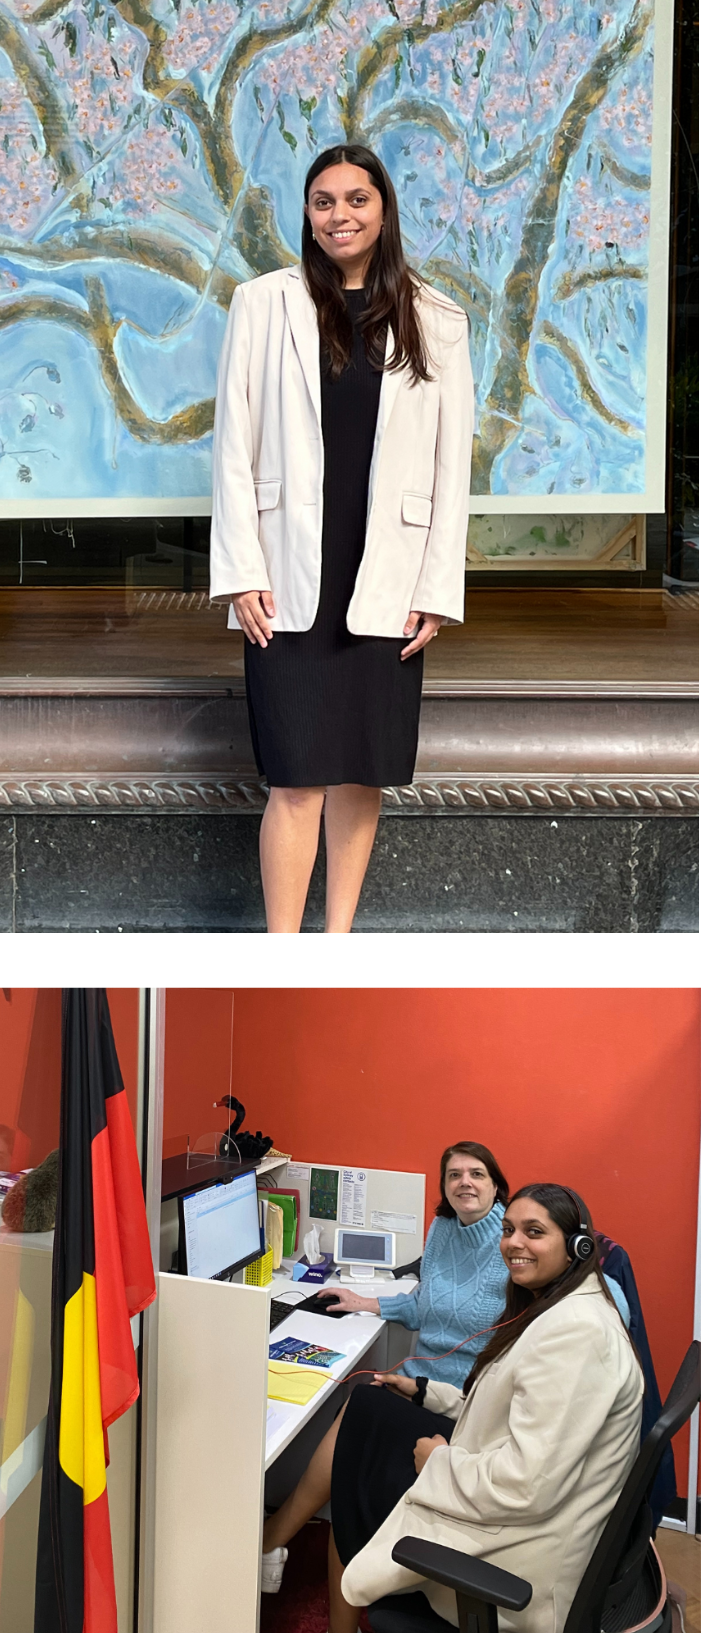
(540, 1451)
(268, 466)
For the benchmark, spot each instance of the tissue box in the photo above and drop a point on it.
(304, 1271)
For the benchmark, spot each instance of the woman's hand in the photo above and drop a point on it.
(423, 1449)
(427, 624)
(398, 1385)
(346, 1300)
(253, 609)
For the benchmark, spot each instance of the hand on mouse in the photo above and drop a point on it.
(345, 1299)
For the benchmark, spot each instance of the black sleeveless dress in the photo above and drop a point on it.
(327, 707)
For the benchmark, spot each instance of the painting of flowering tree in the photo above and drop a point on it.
(152, 157)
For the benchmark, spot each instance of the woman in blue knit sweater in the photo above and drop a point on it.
(463, 1275)
(461, 1292)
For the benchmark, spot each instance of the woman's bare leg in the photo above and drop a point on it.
(350, 822)
(313, 1490)
(343, 1618)
(289, 840)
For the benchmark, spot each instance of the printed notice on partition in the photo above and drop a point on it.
(298, 1173)
(402, 1223)
(354, 1196)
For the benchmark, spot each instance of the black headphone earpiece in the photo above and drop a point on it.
(581, 1244)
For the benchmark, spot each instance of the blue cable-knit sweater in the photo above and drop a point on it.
(462, 1289)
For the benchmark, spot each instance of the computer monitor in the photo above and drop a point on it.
(219, 1229)
(364, 1251)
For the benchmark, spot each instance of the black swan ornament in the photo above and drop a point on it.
(244, 1146)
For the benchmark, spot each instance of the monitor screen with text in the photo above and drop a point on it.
(222, 1230)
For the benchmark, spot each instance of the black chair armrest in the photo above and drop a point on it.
(413, 1269)
(462, 1573)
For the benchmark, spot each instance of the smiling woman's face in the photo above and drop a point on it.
(533, 1246)
(345, 210)
(469, 1187)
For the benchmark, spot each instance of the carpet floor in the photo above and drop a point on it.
(302, 1605)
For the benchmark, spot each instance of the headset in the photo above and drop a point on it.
(581, 1244)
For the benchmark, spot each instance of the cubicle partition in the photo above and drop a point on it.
(211, 1375)
(367, 1198)
(210, 1431)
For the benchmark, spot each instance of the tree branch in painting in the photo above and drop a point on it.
(573, 282)
(519, 302)
(153, 251)
(44, 98)
(554, 337)
(97, 325)
(430, 115)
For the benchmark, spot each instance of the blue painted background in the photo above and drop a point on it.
(129, 165)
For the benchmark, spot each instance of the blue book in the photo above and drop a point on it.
(306, 1355)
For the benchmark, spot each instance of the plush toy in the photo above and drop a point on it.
(31, 1204)
(244, 1147)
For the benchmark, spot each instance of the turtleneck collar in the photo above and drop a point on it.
(483, 1230)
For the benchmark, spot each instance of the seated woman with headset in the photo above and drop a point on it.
(461, 1293)
(521, 1466)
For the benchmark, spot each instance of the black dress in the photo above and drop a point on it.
(373, 1464)
(325, 706)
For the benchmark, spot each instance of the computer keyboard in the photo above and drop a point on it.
(279, 1312)
(315, 1305)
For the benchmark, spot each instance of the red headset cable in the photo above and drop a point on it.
(371, 1372)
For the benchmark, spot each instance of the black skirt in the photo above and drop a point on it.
(327, 707)
(373, 1464)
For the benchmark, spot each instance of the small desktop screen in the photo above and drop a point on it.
(358, 1247)
(221, 1227)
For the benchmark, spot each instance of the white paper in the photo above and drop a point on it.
(298, 1173)
(354, 1196)
(401, 1222)
(275, 1421)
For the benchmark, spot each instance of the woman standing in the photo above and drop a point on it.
(524, 1464)
(342, 444)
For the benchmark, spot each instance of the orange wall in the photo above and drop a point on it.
(599, 1089)
(30, 1052)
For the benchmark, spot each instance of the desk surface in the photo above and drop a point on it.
(354, 1334)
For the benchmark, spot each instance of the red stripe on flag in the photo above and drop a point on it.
(100, 1605)
(137, 1263)
(119, 1383)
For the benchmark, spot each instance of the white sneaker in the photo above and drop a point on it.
(273, 1567)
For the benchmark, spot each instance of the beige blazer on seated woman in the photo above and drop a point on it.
(268, 466)
(541, 1450)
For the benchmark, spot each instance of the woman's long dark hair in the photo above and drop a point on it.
(470, 1148)
(523, 1307)
(390, 285)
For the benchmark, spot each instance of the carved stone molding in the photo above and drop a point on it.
(477, 754)
(545, 794)
(464, 794)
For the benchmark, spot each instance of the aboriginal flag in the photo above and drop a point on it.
(102, 1275)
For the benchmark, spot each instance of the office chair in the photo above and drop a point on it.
(623, 1586)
